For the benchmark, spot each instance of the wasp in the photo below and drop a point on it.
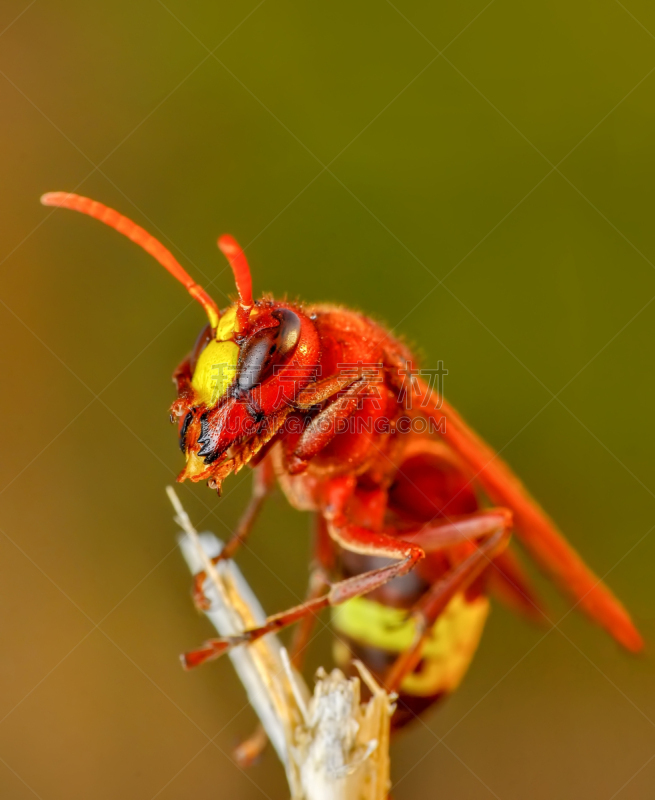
(413, 511)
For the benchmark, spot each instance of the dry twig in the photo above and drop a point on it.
(332, 746)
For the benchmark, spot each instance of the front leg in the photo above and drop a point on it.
(351, 537)
(263, 483)
(322, 390)
(325, 426)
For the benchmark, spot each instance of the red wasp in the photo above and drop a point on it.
(413, 510)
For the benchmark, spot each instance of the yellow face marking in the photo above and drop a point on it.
(447, 653)
(195, 467)
(226, 326)
(215, 371)
(217, 364)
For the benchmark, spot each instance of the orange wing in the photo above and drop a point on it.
(533, 527)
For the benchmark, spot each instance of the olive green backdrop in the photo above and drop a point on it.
(479, 176)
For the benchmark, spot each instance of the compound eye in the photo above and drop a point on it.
(266, 348)
(204, 338)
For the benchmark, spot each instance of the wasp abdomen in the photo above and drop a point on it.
(377, 634)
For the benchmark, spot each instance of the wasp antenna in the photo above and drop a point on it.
(141, 237)
(235, 255)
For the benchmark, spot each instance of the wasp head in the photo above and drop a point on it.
(241, 379)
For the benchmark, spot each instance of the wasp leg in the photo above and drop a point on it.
(491, 531)
(324, 427)
(263, 482)
(249, 751)
(318, 583)
(351, 537)
(322, 390)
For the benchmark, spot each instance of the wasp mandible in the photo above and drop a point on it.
(413, 511)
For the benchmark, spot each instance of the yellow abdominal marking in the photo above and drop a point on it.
(217, 364)
(447, 652)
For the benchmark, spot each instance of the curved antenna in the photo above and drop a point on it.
(141, 237)
(237, 260)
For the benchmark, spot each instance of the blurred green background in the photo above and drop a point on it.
(482, 177)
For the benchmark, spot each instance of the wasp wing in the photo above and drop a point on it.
(533, 526)
(509, 583)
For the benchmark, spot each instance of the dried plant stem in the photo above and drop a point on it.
(332, 746)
